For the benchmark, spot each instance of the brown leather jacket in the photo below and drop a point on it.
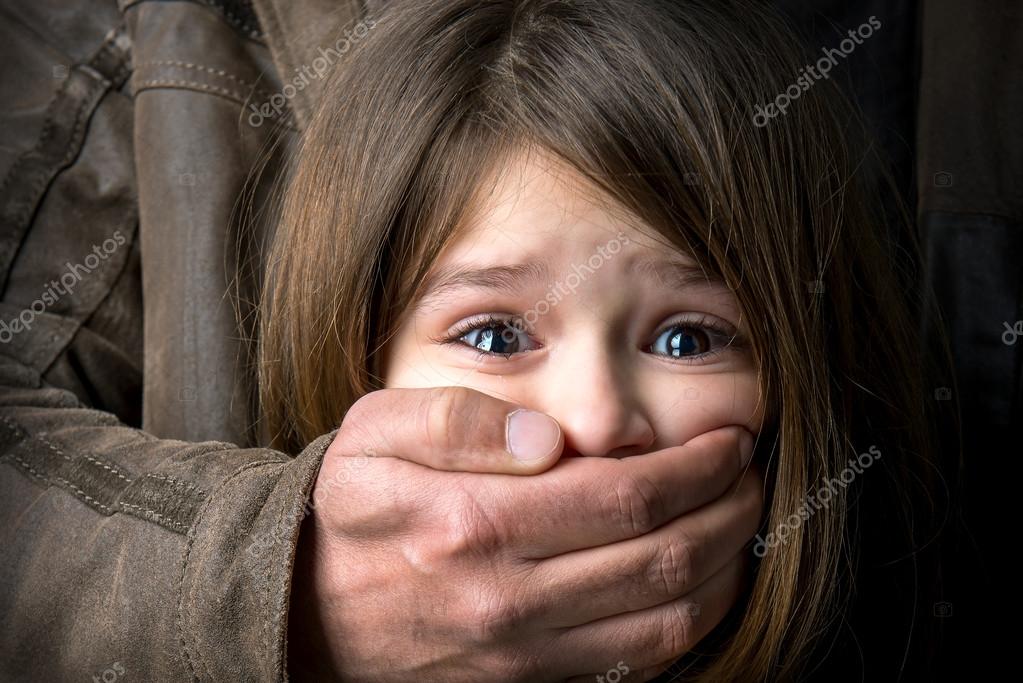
(128, 130)
(143, 532)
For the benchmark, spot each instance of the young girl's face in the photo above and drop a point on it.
(553, 300)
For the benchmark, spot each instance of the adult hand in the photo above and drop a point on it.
(438, 563)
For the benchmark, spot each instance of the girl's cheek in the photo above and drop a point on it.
(701, 403)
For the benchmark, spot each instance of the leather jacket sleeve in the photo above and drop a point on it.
(163, 559)
(137, 539)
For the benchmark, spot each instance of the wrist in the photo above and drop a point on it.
(309, 655)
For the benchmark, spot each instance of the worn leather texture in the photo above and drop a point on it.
(141, 523)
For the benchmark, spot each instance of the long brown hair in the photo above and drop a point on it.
(654, 103)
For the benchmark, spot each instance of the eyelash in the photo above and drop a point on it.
(474, 323)
(708, 324)
(703, 322)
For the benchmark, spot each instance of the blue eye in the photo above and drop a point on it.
(681, 341)
(498, 337)
(690, 340)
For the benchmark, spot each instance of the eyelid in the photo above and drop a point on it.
(717, 326)
(732, 338)
(702, 320)
(474, 322)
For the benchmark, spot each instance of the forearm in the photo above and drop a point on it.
(169, 558)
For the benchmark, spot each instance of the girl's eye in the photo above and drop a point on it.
(690, 340)
(678, 341)
(498, 337)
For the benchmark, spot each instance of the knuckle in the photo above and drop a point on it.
(351, 428)
(493, 616)
(470, 529)
(357, 428)
(679, 629)
(720, 445)
(635, 505)
(673, 566)
(447, 409)
(522, 664)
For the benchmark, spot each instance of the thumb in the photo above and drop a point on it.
(450, 428)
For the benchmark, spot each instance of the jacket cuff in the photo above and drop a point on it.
(235, 579)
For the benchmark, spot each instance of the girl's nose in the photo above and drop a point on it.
(595, 403)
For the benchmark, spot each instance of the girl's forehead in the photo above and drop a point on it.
(541, 220)
(537, 205)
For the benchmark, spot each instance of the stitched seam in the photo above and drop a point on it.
(188, 486)
(108, 468)
(238, 22)
(190, 540)
(253, 32)
(181, 600)
(32, 196)
(82, 494)
(43, 138)
(76, 491)
(50, 445)
(109, 47)
(48, 124)
(48, 127)
(193, 85)
(147, 513)
(269, 566)
(127, 508)
(246, 28)
(28, 467)
(189, 85)
(200, 67)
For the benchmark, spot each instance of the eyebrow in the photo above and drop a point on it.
(678, 274)
(512, 279)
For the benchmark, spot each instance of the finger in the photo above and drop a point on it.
(650, 570)
(652, 636)
(589, 502)
(449, 428)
